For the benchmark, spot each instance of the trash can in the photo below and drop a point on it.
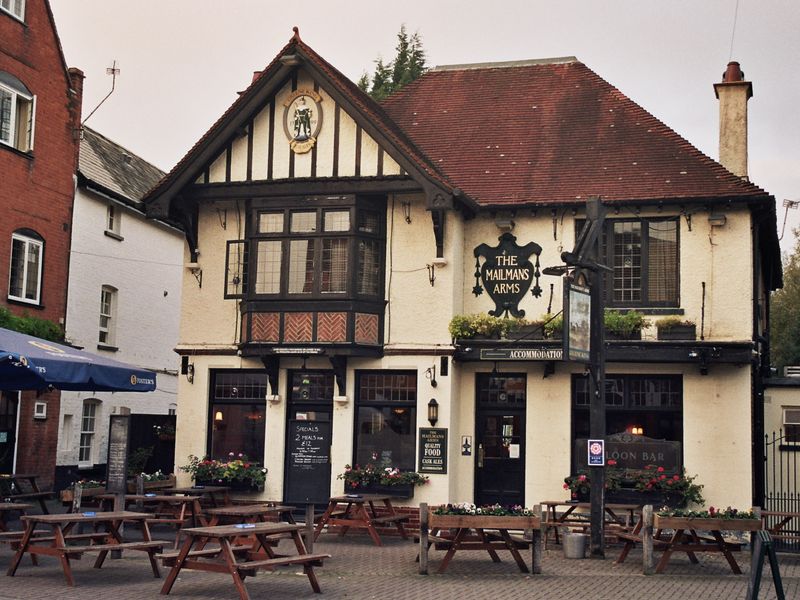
(574, 544)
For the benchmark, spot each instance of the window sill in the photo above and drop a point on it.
(26, 303)
(13, 16)
(113, 235)
(107, 347)
(85, 466)
(24, 154)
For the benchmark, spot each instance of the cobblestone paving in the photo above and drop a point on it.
(359, 570)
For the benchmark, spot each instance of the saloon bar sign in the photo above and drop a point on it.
(507, 274)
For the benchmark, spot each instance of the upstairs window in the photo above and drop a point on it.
(25, 274)
(643, 254)
(329, 252)
(16, 113)
(113, 221)
(15, 7)
(108, 321)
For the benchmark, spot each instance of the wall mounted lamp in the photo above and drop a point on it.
(196, 270)
(717, 220)
(274, 398)
(430, 373)
(406, 205)
(187, 369)
(218, 416)
(637, 430)
(433, 412)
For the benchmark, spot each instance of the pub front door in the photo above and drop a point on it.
(500, 439)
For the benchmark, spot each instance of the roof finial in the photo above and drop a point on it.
(296, 36)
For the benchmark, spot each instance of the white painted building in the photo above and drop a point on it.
(123, 299)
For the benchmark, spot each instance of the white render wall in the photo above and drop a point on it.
(146, 269)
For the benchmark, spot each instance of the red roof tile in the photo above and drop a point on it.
(548, 132)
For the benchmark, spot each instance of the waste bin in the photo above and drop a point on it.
(574, 544)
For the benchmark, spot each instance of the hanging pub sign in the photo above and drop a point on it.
(577, 322)
(507, 274)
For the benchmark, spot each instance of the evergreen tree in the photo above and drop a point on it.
(408, 65)
(785, 313)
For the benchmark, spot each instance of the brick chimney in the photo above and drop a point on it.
(76, 78)
(733, 94)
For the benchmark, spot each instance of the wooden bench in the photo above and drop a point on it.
(148, 547)
(390, 519)
(269, 563)
(169, 558)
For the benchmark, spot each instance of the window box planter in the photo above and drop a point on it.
(613, 335)
(482, 522)
(656, 498)
(396, 491)
(235, 485)
(678, 332)
(158, 484)
(706, 524)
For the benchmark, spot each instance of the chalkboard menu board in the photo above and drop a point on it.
(308, 465)
(117, 466)
(432, 450)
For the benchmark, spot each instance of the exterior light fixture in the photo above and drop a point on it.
(190, 373)
(637, 430)
(717, 220)
(218, 415)
(433, 412)
(430, 373)
(406, 211)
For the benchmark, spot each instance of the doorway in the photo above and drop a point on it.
(500, 438)
(9, 402)
(307, 464)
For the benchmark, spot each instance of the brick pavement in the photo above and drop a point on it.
(359, 570)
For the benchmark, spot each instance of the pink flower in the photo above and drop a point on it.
(582, 478)
(660, 469)
(566, 487)
(612, 462)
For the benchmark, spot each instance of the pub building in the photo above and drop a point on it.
(331, 241)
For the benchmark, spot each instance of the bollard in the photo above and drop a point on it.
(423, 538)
(309, 533)
(648, 559)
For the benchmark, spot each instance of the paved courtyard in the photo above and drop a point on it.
(359, 570)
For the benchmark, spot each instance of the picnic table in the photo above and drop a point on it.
(217, 495)
(782, 525)
(56, 542)
(689, 535)
(238, 560)
(23, 486)
(620, 515)
(7, 507)
(249, 513)
(478, 532)
(358, 511)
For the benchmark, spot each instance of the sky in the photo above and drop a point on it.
(182, 62)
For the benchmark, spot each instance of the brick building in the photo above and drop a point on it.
(40, 106)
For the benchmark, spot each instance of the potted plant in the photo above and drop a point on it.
(624, 325)
(674, 328)
(465, 514)
(553, 326)
(480, 326)
(383, 479)
(580, 484)
(152, 481)
(164, 432)
(728, 519)
(238, 472)
(89, 487)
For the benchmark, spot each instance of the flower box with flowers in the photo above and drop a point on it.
(381, 480)
(454, 516)
(238, 472)
(651, 485)
(728, 519)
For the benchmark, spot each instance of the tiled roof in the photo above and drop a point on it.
(115, 169)
(551, 132)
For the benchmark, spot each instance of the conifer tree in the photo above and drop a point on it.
(408, 65)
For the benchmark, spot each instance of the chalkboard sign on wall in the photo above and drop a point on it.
(117, 466)
(308, 465)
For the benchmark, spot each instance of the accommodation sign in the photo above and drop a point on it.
(507, 274)
(432, 450)
(545, 354)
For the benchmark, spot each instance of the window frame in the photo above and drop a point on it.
(90, 434)
(411, 404)
(111, 327)
(21, 135)
(10, 10)
(357, 208)
(28, 238)
(258, 399)
(240, 265)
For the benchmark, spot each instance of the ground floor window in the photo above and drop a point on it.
(386, 418)
(88, 418)
(237, 414)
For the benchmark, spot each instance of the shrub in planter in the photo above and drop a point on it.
(673, 328)
(469, 326)
(626, 326)
(384, 479)
(237, 471)
(553, 326)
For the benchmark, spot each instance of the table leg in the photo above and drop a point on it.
(485, 539)
(512, 547)
(308, 568)
(727, 553)
(324, 519)
(460, 534)
(173, 574)
(676, 538)
(230, 561)
(23, 546)
(399, 524)
(373, 533)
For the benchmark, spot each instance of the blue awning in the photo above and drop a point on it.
(30, 363)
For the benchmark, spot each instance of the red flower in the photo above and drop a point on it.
(612, 462)
(676, 477)
(566, 486)
(660, 469)
(582, 478)
(663, 477)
